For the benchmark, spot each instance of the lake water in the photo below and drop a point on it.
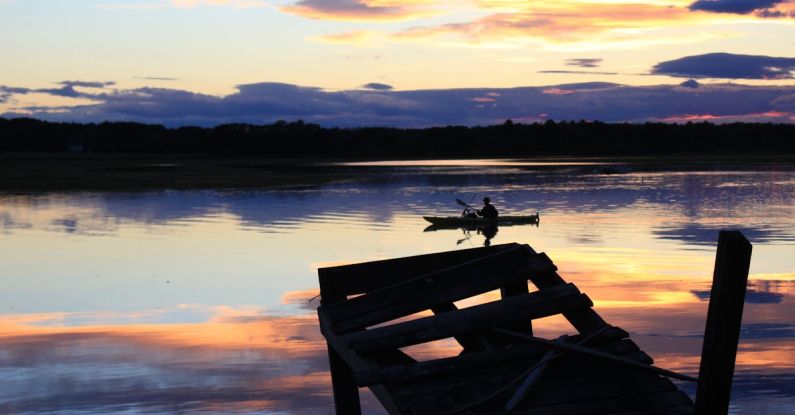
(201, 301)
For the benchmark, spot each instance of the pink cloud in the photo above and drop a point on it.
(354, 10)
(558, 91)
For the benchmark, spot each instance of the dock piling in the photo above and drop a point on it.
(724, 317)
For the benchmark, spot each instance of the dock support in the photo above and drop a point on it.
(724, 318)
(346, 391)
(518, 289)
(343, 383)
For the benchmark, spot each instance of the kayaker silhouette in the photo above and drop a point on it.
(488, 211)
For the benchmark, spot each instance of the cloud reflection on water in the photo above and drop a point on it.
(259, 363)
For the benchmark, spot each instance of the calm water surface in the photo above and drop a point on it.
(201, 301)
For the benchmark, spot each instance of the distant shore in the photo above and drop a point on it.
(112, 172)
(290, 140)
(38, 172)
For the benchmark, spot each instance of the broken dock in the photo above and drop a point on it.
(369, 312)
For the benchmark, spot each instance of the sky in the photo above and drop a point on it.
(408, 63)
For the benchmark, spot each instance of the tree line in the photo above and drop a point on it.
(301, 139)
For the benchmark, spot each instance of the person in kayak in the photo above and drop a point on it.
(488, 211)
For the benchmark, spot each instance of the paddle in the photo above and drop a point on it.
(462, 203)
(465, 204)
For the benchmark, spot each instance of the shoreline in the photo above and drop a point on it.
(35, 172)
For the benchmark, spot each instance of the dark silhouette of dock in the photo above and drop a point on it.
(503, 367)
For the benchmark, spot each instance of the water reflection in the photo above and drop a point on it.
(234, 362)
(200, 301)
(691, 206)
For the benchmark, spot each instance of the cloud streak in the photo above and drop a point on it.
(377, 86)
(728, 66)
(563, 71)
(734, 6)
(584, 62)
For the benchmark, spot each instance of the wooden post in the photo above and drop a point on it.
(510, 291)
(724, 318)
(346, 390)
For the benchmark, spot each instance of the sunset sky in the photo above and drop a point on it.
(397, 62)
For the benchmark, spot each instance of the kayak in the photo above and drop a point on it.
(461, 221)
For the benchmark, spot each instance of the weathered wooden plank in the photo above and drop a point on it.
(439, 367)
(433, 289)
(471, 342)
(360, 304)
(479, 393)
(574, 365)
(609, 334)
(406, 373)
(368, 276)
(537, 371)
(571, 381)
(724, 317)
(584, 379)
(682, 409)
(598, 353)
(586, 321)
(538, 304)
(651, 403)
(570, 370)
(530, 380)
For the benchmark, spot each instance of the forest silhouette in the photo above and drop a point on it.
(301, 139)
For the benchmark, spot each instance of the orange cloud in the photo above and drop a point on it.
(352, 37)
(563, 22)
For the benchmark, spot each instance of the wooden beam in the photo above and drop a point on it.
(439, 367)
(506, 268)
(666, 402)
(471, 342)
(599, 354)
(538, 304)
(724, 317)
(368, 276)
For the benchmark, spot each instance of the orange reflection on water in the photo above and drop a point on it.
(234, 361)
(228, 329)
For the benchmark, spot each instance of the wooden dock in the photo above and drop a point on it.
(503, 367)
